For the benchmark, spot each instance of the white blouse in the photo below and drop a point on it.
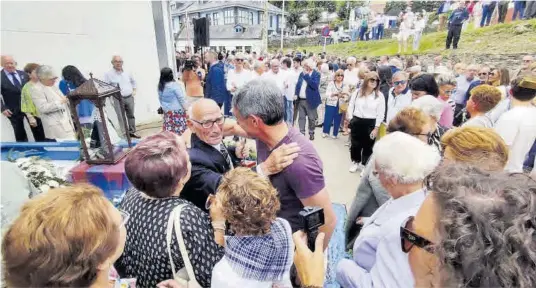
(333, 89)
(351, 77)
(371, 106)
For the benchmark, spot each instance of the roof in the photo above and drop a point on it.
(227, 32)
(193, 7)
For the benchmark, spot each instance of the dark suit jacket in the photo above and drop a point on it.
(208, 166)
(312, 94)
(11, 93)
(215, 88)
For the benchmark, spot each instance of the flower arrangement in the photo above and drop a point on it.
(41, 173)
(229, 142)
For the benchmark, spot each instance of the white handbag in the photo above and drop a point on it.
(185, 276)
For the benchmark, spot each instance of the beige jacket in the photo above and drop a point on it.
(55, 116)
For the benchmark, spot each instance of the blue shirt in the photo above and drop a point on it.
(172, 98)
(462, 85)
(10, 77)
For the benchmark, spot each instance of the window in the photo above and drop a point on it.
(245, 17)
(215, 18)
(248, 48)
(259, 17)
(228, 16)
(238, 48)
(212, 48)
(221, 48)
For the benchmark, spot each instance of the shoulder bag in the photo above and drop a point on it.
(185, 276)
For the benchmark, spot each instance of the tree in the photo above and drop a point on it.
(277, 3)
(428, 6)
(343, 10)
(394, 7)
(292, 18)
(313, 13)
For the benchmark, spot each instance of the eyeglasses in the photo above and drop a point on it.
(429, 137)
(450, 92)
(209, 123)
(482, 74)
(374, 80)
(239, 60)
(339, 75)
(124, 217)
(408, 238)
(401, 82)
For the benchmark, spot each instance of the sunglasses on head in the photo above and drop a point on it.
(408, 238)
(401, 82)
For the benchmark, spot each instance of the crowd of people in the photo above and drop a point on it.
(446, 158)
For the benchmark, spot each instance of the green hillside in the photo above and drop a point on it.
(496, 39)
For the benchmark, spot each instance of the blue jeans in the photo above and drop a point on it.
(417, 40)
(332, 116)
(379, 32)
(289, 112)
(362, 31)
(529, 162)
(518, 10)
(486, 15)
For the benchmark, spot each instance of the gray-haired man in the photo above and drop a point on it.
(127, 84)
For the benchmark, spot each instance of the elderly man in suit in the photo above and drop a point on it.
(12, 82)
(210, 158)
(308, 96)
(215, 84)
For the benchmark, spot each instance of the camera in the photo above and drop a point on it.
(312, 219)
(189, 65)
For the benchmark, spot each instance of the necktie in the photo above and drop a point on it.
(225, 154)
(16, 81)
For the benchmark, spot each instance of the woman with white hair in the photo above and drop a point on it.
(432, 107)
(378, 260)
(351, 76)
(51, 105)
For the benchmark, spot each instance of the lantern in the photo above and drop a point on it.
(104, 147)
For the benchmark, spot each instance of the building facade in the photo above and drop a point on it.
(234, 25)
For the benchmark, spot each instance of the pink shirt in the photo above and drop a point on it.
(447, 115)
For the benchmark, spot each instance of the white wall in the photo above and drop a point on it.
(230, 45)
(87, 34)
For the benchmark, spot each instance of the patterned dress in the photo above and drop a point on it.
(145, 256)
(175, 121)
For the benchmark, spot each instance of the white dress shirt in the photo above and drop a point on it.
(237, 79)
(279, 79)
(367, 107)
(292, 80)
(351, 77)
(378, 259)
(395, 104)
(126, 82)
(304, 86)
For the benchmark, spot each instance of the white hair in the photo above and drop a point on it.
(324, 68)
(351, 60)
(429, 105)
(416, 162)
(258, 64)
(45, 72)
(310, 63)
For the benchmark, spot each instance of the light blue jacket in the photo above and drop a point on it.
(172, 98)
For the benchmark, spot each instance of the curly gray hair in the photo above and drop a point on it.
(486, 226)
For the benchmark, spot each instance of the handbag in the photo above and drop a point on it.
(185, 276)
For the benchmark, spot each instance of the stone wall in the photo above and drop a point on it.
(510, 61)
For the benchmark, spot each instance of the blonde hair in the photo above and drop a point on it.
(478, 146)
(409, 120)
(250, 202)
(59, 239)
(485, 97)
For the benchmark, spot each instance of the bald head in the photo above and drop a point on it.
(9, 64)
(203, 107)
(206, 121)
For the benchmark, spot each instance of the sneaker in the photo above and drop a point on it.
(334, 137)
(354, 167)
(324, 135)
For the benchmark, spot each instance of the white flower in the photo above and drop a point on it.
(53, 183)
(44, 188)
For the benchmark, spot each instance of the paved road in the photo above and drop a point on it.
(342, 185)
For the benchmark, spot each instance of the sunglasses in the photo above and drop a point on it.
(408, 238)
(339, 75)
(401, 82)
(482, 74)
(239, 60)
(374, 80)
(124, 217)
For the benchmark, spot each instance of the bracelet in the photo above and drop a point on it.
(218, 225)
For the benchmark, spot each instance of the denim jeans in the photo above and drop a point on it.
(332, 116)
(518, 10)
(289, 112)
(487, 11)
(362, 31)
(379, 32)
(417, 40)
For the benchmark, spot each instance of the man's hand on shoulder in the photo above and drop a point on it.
(280, 158)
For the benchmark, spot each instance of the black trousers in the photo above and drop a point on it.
(503, 9)
(38, 131)
(454, 35)
(360, 142)
(17, 121)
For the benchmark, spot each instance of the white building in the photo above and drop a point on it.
(234, 25)
(87, 34)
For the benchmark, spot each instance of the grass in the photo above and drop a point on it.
(496, 39)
